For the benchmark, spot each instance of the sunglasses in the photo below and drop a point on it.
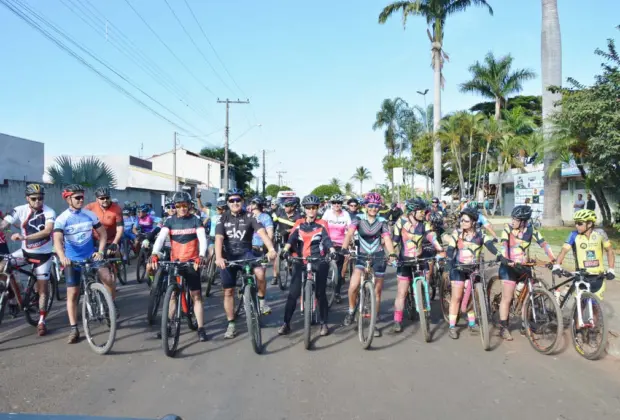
(37, 198)
(353, 204)
(181, 205)
(311, 207)
(337, 202)
(103, 198)
(372, 206)
(235, 200)
(288, 205)
(78, 197)
(580, 223)
(435, 202)
(465, 220)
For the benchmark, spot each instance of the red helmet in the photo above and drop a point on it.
(373, 198)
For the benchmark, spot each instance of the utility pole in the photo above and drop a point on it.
(280, 177)
(174, 162)
(264, 180)
(227, 133)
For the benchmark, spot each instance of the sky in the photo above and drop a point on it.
(315, 74)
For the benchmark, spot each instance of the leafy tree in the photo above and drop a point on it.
(88, 171)
(243, 165)
(361, 174)
(273, 189)
(532, 106)
(335, 182)
(348, 188)
(326, 190)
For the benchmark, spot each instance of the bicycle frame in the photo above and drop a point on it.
(416, 263)
(310, 276)
(578, 287)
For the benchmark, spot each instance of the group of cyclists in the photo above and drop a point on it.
(322, 229)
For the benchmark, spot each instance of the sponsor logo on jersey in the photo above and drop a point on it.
(189, 231)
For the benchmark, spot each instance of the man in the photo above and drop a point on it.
(590, 204)
(256, 206)
(206, 211)
(233, 241)
(353, 207)
(37, 222)
(579, 203)
(338, 221)
(73, 241)
(284, 220)
(188, 242)
(394, 214)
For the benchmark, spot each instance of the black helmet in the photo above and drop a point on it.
(234, 191)
(471, 212)
(436, 219)
(72, 188)
(289, 201)
(353, 200)
(258, 200)
(102, 192)
(415, 203)
(34, 189)
(310, 200)
(522, 213)
(181, 197)
(220, 204)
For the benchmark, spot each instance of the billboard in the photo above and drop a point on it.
(529, 190)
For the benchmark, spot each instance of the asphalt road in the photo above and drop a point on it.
(401, 377)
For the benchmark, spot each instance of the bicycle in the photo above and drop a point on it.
(28, 302)
(583, 321)
(207, 274)
(142, 260)
(58, 274)
(417, 299)
(158, 289)
(537, 220)
(538, 309)
(178, 294)
(248, 299)
(284, 269)
(95, 296)
(119, 269)
(308, 299)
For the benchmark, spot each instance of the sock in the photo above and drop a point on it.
(74, 327)
(42, 317)
(452, 319)
(471, 318)
(398, 316)
(231, 322)
(503, 323)
(351, 311)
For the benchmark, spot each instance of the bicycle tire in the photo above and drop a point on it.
(421, 308)
(141, 266)
(332, 280)
(3, 300)
(308, 300)
(111, 317)
(209, 273)
(410, 306)
(445, 295)
(283, 271)
(494, 300)
(170, 351)
(155, 296)
(480, 307)
(57, 274)
(367, 294)
(601, 320)
(192, 322)
(252, 319)
(122, 272)
(31, 302)
(558, 318)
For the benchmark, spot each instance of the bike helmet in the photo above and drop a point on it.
(473, 204)
(310, 200)
(353, 200)
(102, 192)
(71, 189)
(181, 197)
(221, 204)
(522, 213)
(339, 198)
(435, 199)
(234, 191)
(471, 212)
(585, 216)
(258, 200)
(125, 212)
(143, 208)
(34, 189)
(289, 202)
(269, 199)
(415, 204)
(374, 198)
(436, 219)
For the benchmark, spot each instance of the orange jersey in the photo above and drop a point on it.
(110, 218)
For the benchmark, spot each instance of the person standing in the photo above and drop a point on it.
(579, 203)
(590, 204)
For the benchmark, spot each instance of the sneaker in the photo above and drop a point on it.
(324, 330)
(284, 329)
(522, 330)
(274, 281)
(453, 333)
(397, 327)
(41, 329)
(474, 329)
(264, 308)
(231, 331)
(377, 333)
(74, 336)
(202, 334)
(505, 334)
(348, 319)
(338, 299)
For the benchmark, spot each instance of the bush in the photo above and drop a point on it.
(328, 190)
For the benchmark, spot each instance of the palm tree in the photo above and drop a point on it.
(551, 46)
(348, 188)
(450, 134)
(387, 118)
(471, 125)
(335, 182)
(89, 171)
(361, 174)
(492, 131)
(494, 79)
(435, 12)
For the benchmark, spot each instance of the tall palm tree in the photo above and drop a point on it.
(348, 188)
(435, 12)
(494, 79)
(387, 118)
(450, 133)
(493, 130)
(471, 125)
(361, 174)
(335, 182)
(551, 47)
(88, 171)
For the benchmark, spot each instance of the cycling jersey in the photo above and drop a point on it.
(146, 223)
(237, 230)
(411, 234)
(337, 225)
(465, 249)
(589, 251)
(188, 240)
(516, 248)
(370, 234)
(31, 222)
(267, 223)
(110, 218)
(77, 227)
(394, 215)
(129, 222)
(483, 221)
(212, 223)
(310, 239)
(283, 222)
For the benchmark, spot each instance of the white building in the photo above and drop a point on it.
(21, 159)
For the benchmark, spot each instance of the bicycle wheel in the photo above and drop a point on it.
(308, 300)
(192, 322)
(410, 304)
(31, 303)
(435, 281)
(141, 266)
(367, 317)
(583, 336)
(98, 308)
(543, 320)
(332, 280)
(121, 269)
(283, 278)
(494, 293)
(171, 325)
(155, 296)
(209, 274)
(480, 308)
(4, 298)
(57, 273)
(445, 296)
(252, 319)
(422, 312)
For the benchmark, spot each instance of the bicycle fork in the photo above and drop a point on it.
(427, 305)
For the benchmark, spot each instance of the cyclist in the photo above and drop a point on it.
(73, 241)
(588, 244)
(409, 232)
(310, 239)
(111, 217)
(483, 222)
(220, 208)
(515, 240)
(258, 248)
(36, 221)
(372, 229)
(394, 214)
(463, 247)
(130, 223)
(353, 205)
(338, 221)
(284, 220)
(188, 243)
(233, 241)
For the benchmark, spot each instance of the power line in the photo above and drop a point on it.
(168, 48)
(196, 45)
(213, 48)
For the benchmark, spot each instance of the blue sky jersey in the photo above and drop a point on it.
(267, 223)
(77, 227)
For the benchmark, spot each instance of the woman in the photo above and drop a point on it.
(464, 246)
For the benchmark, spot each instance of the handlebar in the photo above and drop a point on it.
(582, 275)
(309, 259)
(241, 263)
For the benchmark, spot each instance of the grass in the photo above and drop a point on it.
(557, 236)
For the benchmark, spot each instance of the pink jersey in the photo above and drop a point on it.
(337, 225)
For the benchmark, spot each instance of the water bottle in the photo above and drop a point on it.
(519, 289)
